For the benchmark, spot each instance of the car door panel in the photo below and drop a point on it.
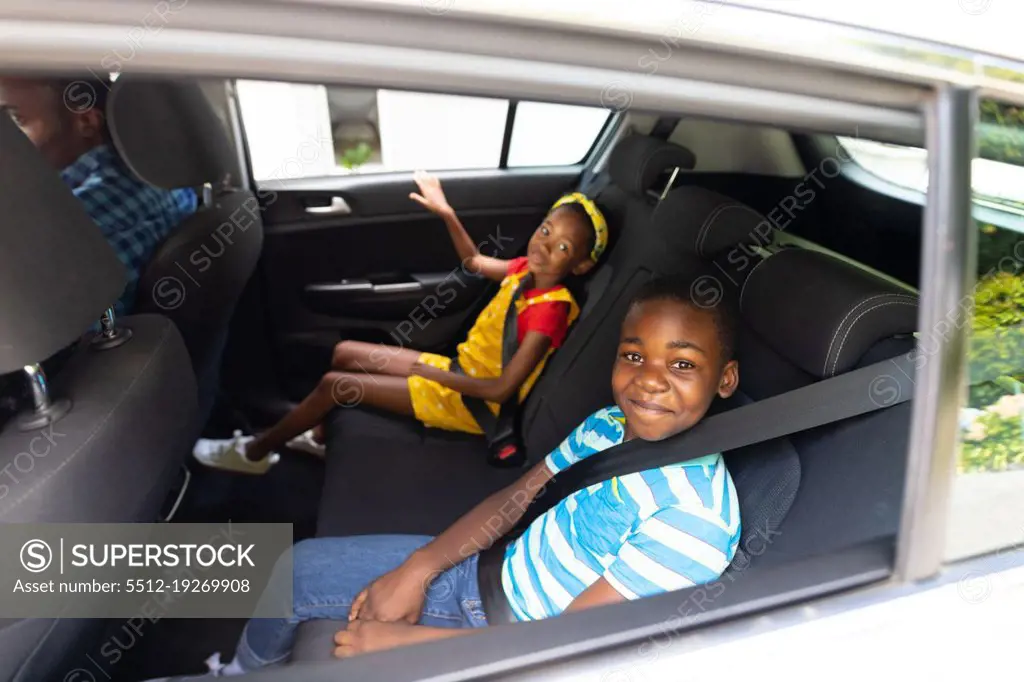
(356, 258)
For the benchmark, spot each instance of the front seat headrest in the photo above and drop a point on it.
(821, 313)
(638, 161)
(167, 133)
(57, 271)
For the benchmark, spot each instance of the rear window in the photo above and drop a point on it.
(300, 130)
(997, 173)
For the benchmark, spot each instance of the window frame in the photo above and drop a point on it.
(791, 100)
(948, 261)
(630, 624)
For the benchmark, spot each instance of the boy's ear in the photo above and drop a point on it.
(730, 380)
(584, 266)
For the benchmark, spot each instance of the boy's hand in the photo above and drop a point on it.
(431, 195)
(365, 636)
(395, 596)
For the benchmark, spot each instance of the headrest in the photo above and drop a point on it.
(168, 133)
(821, 313)
(705, 223)
(57, 271)
(638, 161)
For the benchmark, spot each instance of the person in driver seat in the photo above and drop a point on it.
(66, 121)
(633, 536)
(431, 387)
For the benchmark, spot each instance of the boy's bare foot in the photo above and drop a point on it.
(228, 454)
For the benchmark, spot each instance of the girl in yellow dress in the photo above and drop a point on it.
(570, 240)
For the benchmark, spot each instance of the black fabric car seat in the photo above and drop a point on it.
(169, 136)
(810, 316)
(113, 458)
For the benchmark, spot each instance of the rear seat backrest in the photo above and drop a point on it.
(679, 235)
(809, 316)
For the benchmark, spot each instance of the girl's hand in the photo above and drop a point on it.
(422, 369)
(431, 195)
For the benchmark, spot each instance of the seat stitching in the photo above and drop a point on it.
(743, 291)
(706, 226)
(854, 309)
(643, 168)
(99, 425)
(701, 238)
(835, 364)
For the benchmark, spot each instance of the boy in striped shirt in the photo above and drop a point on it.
(633, 536)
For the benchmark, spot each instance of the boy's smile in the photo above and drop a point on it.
(669, 368)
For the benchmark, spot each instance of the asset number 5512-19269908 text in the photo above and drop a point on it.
(209, 585)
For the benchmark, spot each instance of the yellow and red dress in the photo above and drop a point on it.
(548, 311)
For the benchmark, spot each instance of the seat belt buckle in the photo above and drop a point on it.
(506, 451)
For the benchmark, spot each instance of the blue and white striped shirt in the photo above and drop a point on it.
(645, 533)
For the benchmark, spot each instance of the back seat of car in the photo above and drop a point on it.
(388, 474)
(805, 316)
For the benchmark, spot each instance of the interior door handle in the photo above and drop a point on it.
(397, 287)
(338, 206)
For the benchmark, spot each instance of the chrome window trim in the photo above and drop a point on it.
(53, 45)
(856, 61)
(948, 256)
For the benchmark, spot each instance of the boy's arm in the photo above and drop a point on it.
(484, 524)
(399, 595)
(362, 637)
(433, 199)
(599, 593)
(531, 351)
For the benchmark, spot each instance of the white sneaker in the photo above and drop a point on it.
(229, 454)
(304, 442)
(217, 669)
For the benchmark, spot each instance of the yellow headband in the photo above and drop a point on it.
(596, 219)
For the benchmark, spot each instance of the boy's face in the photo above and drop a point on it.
(560, 246)
(669, 368)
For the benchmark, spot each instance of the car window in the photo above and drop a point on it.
(987, 510)
(997, 173)
(302, 130)
(553, 134)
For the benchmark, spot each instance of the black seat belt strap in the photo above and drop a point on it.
(663, 127)
(502, 431)
(861, 391)
(858, 392)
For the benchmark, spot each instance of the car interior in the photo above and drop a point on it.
(240, 308)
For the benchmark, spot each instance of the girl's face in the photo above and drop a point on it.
(669, 368)
(560, 246)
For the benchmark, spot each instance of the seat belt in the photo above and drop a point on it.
(663, 127)
(592, 184)
(858, 392)
(505, 449)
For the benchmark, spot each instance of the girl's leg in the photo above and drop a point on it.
(345, 389)
(369, 358)
(328, 573)
(373, 358)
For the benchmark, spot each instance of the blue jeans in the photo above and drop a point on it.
(330, 572)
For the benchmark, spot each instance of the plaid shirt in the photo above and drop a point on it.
(133, 216)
